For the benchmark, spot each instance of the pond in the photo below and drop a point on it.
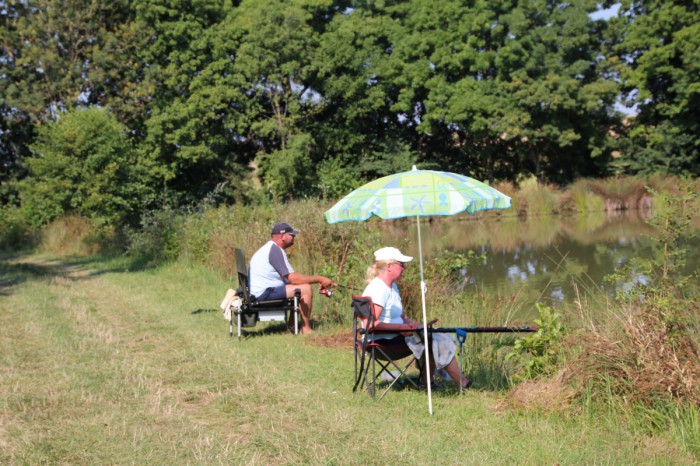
(555, 259)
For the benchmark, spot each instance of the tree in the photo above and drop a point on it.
(54, 55)
(276, 44)
(84, 164)
(562, 107)
(658, 51)
(359, 128)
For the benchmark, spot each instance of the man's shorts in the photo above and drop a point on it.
(273, 293)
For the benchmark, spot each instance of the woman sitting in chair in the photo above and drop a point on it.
(389, 314)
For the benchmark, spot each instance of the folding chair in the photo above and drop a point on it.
(251, 311)
(372, 351)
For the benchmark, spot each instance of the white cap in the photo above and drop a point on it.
(391, 254)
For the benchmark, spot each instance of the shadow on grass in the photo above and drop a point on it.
(18, 268)
(270, 329)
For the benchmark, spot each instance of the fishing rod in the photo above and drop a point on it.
(483, 329)
(349, 287)
(329, 292)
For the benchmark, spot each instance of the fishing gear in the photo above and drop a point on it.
(483, 329)
(349, 288)
(328, 292)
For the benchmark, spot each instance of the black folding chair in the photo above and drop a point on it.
(373, 351)
(251, 311)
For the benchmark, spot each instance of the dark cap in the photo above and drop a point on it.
(282, 227)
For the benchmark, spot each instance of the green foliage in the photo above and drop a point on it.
(305, 98)
(656, 52)
(83, 164)
(15, 231)
(289, 172)
(159, 238)
(538, 354)
(336, 180)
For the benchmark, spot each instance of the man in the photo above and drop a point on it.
(272, 276)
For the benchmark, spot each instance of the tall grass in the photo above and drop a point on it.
(644, 360)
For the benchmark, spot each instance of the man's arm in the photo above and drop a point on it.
(296, 278)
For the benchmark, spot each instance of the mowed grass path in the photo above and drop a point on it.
(100, 365)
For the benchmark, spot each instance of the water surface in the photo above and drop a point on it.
(550, 258)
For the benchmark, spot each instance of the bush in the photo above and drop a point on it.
(84, 164)
(73, 236)
(15, 230)
(159, 239)
(538, 354)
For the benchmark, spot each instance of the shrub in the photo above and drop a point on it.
(159, 239)
(72, 236)
(84, 164)
(538, 354)
(15, 230)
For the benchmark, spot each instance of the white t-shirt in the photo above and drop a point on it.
(268, 267)
(389, 299)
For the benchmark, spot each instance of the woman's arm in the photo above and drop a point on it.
(406, 328)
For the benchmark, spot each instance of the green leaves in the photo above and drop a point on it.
(538, 353)
(83, 164)
(659, 42)
(319, 95)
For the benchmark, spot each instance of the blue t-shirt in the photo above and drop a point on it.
(268, 268)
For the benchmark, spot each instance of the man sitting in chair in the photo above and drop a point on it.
(272, 276)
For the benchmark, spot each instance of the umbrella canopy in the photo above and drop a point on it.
(417, 193)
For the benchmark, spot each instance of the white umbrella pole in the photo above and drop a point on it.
(425, 322)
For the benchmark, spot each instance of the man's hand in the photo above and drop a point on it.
(326, 282)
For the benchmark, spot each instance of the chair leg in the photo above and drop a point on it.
(402, 373)
(297, 296)
(372, 384)
(360, 356)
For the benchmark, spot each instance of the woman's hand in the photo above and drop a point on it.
(411, 327)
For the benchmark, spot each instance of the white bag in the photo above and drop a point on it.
(230, 303)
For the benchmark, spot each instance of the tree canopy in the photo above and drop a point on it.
(107, 108)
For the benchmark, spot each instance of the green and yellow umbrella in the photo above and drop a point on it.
(417, 193)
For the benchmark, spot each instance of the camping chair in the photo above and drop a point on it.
(251, 311)
(370, 351)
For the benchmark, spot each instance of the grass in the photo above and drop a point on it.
(105, 365)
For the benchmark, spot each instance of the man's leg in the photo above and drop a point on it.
(304, 305)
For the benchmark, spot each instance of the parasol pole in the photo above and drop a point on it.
(426, 342)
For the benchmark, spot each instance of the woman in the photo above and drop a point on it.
(389, 314)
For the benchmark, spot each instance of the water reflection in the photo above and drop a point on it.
(555, 258)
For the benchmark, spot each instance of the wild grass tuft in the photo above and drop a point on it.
(538, 199)
(73, 236)
(582, 197)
